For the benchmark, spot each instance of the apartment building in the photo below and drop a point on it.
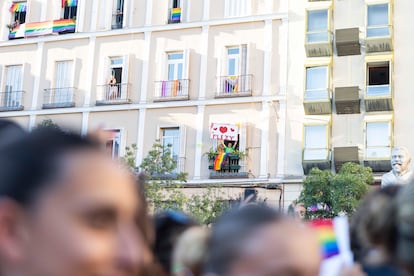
(349, 96)
(168, 70)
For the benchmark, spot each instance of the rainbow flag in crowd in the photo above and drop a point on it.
(219, 161)
(18, 7)
(175, 14)
(327, 237)
(69, 3)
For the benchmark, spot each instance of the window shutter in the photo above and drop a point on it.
(186, 64)
(106, 71)
(183, 141)
(125, 77)
(243, 59)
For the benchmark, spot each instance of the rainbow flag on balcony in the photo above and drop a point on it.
(219, 161)
(69, 3)
(175, 14)
(64, 25)
(18, 7)
(43, 28)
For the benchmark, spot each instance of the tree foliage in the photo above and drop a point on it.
(326, 195)
(48, 123)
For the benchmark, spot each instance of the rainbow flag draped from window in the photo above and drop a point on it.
(175, 14)
(231, 84)
(69, 3)
(18, 7)
(219, 161)
(34, 29)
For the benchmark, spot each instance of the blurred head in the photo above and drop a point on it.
(256, 240)
(66, 209)
(169, 225)
(9, 132)
(405, 226)
(400, 159)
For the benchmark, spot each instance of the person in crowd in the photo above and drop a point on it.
(169, 225)
(257, 240)
(405, 228)
(373, 230)
(190, 251)
(9, 132)
(401, 173)
(67, 209)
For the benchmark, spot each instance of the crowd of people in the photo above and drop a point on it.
(66, 208)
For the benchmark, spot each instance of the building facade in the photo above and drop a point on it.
(156, 70)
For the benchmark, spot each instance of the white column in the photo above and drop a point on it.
(94, 16)
(199, 141)
(187, 7)
(38, 73)
(43, 11)
(140, 137)
(203, 63)
(148, 13)
(130, 13)
(145, 66)
(283, 50)
(91, 71)
(206, 10)
(80, 16)
(32, 121)
(281, 135)
(85, 122)
(264, 148)
(267, 64)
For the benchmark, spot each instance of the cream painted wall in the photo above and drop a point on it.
(71, 121)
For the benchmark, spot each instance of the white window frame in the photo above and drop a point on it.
(385, 28)
(181, 144)
(116, 137)
(378, 152)
(236, 8)
(63, 82)
(317, 35)
(175, 63)
(311, 153)
(241, 59)
(319, 93)
(14, 81)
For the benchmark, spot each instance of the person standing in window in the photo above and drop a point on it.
(230, 148)
(113, 88)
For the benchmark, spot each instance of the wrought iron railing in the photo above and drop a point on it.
(229, 167)
(59, 97)
(113, 94)
(238, 85)
(117, 20)
(171, 90)
(11, 100)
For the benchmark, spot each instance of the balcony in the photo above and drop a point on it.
(317, 101)
(319, 158)
(231, 168)
(11, 101)
(379, 39)
(117, 20)
(347, 100)
(378, 98)
(378, 158)
(234, 86)
(318, 44)
(174, 15)
(34, 29)
(111, 94)
(58, 98)
(345, 154)
(171, 90)
(347, 42)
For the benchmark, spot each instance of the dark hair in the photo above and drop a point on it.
(9, 132)
(230, 231)
(169, 225)
(29, 163)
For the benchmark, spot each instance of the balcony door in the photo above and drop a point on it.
(63, 82)
(171, 137)
(13, 86)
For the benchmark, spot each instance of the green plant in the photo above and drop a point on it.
(48, 123)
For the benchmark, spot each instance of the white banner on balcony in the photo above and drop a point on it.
(224, 132)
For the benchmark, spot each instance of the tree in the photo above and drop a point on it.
(326, 195)
(48, 123)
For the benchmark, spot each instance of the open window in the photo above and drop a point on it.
(113, 143)
(175, 11)
(118, 14)
(70, 8)
(378, 79)
(18, 10)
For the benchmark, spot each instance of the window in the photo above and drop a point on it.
(316, 83)
(378, 79)
(175, 11)
(118, 14)
(316, 142)
(171, 136)
(233, 8)
(378, 140)
(63, 82)
(175, 66)
(18, 10)
(236, 61)
(70, 8)
(116, 68)
(377, 20)
(317, 28)
(12, 86)
(113, 143)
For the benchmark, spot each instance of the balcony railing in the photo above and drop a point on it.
(231, 168)
(113, 94)
(174, 15)
(117, 20)
(59, 97)
(11, 101)
(378, 90)
(234, 86)
(171, 90)
(378, 31)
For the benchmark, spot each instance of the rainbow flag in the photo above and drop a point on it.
(18, 7)
(175, 14)
(43, 28)
(38, 28)
(327, 237)
(69, 3)
(219, 161)
(64, 25)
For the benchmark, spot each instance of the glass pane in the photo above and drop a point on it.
(377, 15)
(378, 152)
(180, 71)
(171, 137)
(317, 20)
(378, 134)
(233, 51)
(231, 70)
(175, 56)
(116, 61)
(315, 137)
(378, 90)
(315, 154)
(171, 71)
(316, 77)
